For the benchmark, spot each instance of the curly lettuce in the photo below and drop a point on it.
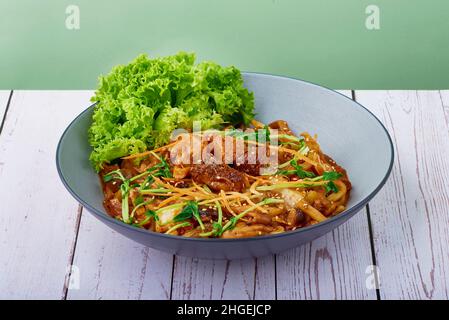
(140, 104)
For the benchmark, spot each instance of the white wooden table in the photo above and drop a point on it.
(404, 230)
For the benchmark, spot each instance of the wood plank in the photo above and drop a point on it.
(114, 267)
(213, 279)
(4, 97)
(220, 279)
(37, 215)
(445, 102)
(410, 215)
(265, 278)
(331, 267)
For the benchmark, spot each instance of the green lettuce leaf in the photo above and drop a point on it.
(140, 104)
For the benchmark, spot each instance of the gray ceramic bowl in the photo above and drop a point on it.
(347, 131)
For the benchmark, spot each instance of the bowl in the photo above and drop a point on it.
(347, 131)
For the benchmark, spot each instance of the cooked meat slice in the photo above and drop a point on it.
(219, 177)
(251, 169)
(253, 161)
(180, 172)
(208, 213)
(129, 168)
(281, 126)
(113, 206)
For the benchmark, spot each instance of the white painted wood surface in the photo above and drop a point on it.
(114, 267)
(444, 95)
(37, 215)
(410, 215)
(208, 279)
(331, 267)
(43, 230)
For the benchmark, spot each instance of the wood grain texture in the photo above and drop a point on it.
(331, 267)
(220, 279)
(113, 267)
(410, 215)
(265, 278)
(444, 95)
(37, 215)
(213, 279)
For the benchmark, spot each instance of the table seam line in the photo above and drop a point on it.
(65, 289)
(6, 111)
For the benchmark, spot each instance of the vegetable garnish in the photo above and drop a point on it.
(331, 187)
(161, 169)
(292, 184)
(190, 210)
(298, 170)
(326, 180)
(139, 200)
(260, 135)
(150, 214)
(116, 174)
(141, 204)
(140, 104)
(124, 189)
(331, 175)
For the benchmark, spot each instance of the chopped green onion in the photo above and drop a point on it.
(143, 203)
(331, 175)
(250, 136)
(159, 190)
(190, 210)
(288, 137)
(124, 188)
(110, 175)
(331, 187)
(138, 200)
(150, 214)
(300, 184)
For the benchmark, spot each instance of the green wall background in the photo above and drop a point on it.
(325, 42)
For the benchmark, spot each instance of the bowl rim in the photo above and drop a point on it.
(347, 213)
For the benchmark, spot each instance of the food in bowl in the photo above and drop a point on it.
(153, 190)
(233, 178)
